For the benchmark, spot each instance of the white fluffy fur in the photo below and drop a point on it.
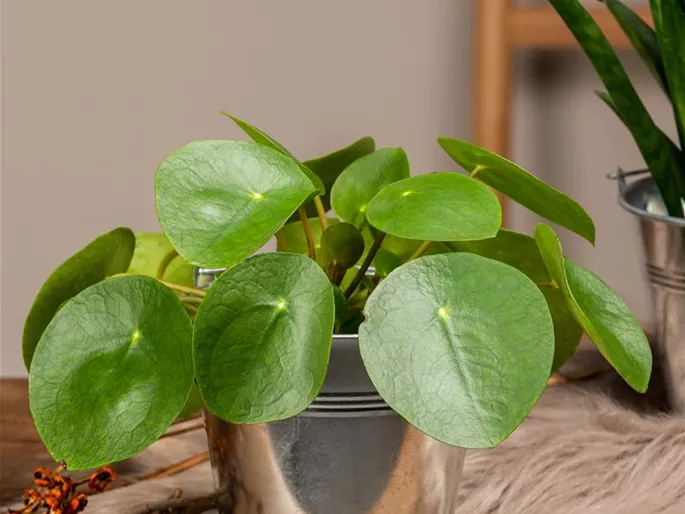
(581, 454)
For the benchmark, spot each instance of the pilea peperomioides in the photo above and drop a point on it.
(459, 326)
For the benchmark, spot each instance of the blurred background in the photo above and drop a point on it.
(95, 94)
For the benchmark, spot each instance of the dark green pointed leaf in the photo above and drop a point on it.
(459, 345)
(342, 244)
(107, 255)
(601, 312)
(670, 20)
(363, 179)
(642, 37)
(436, 207)
(521, 186)
(264, 139)
(220, 201)
(112, 371)
(521, 252)
(661, 155)
(263, 337)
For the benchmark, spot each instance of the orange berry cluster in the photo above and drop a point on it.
(56, 494)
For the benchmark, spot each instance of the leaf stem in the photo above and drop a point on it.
(165, 263)
(476, 171)
(550, 285)
(281, 241)
(184, 289)
(307, 232)
(377, 242)
(192, 300)
(321, 212)
(419, 251)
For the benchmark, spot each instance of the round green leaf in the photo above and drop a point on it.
(263, 337)
(522, 187)
(220, 201)
(459, 345)
(292, 239)
(601, 312)
(385, 262)
(107, 255)
(363, 179)
(180, 272)
(342, 244)
(329, 167)
(262, 138)
(521, 252)
(112, 371)
(436, 207)
(154, 251)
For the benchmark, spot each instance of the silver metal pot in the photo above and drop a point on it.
(664, 242)
(348, 453)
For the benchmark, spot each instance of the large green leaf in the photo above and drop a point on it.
(329, 167)
(642, 37)
(602, 313)
(220, 201)
(107, 255)
(263, 337)
(260, 137)
(669, 17)
(661, 155)
(112, 371)
(363, 179)
(521, 186)
(459, 345)
(521, 252)
(436, 207)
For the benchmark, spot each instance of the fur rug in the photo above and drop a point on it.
(581, 452)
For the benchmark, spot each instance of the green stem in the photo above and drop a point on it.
(378, 241)
(184, 289)
(176, 287)
(191, 308)
(420, 250)
(192, 299)
(550, 285)
(321, 212)
(307, 232)
(165, 263)
(281, 241)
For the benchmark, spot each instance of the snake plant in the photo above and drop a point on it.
(663, 51)
(459, 326)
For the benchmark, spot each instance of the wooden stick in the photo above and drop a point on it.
(178, 467)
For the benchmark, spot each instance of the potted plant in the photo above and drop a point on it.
(349, 369)
(657, 198)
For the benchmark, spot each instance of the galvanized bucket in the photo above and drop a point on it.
(348, 453)
(664, 241)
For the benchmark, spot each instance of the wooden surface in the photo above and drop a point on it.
(20, 447)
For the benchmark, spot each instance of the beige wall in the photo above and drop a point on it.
(94, 94)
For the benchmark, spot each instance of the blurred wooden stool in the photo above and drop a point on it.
(503, 27)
